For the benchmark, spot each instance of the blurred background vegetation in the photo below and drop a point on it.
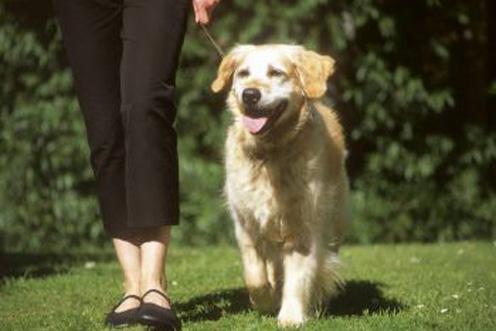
(415, 88)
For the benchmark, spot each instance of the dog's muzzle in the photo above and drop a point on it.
(258, 120)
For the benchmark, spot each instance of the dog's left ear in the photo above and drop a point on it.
(313, 70)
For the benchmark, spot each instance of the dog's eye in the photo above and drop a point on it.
(275, 73)
(243, 73)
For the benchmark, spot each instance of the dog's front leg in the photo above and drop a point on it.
(300, 268)
(262, 294)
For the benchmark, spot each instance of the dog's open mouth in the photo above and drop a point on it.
(258, 121)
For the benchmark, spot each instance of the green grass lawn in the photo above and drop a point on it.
(389, 287)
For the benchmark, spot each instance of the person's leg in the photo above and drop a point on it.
(153, 261)
(153, 33)
(152, 36)
(128, 254)
(91, 34)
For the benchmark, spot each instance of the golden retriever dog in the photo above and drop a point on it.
(286, 184)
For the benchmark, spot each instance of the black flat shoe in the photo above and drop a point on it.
(157, 317)
(123, 318)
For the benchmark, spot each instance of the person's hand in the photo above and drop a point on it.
(203, 10)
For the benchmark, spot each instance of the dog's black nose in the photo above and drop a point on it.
(251, 96)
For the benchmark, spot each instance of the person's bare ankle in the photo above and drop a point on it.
(154, 297)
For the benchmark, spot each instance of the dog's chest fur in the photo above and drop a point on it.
(271, 196)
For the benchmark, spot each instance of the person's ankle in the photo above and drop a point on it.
(133, 289)
(153, 297)
(152, 284)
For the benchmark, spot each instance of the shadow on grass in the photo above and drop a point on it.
(14, 265)
(213, 306)
(358, 298)
(362, 297)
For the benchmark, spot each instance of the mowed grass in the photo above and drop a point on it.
(389, 287)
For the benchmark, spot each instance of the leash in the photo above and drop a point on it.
(212, 41)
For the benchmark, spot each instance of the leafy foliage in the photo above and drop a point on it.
(414, 89)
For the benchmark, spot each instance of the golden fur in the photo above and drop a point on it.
(287, 188)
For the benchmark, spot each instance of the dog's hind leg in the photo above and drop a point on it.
(328, 282)
(337, 216)
(275, 270)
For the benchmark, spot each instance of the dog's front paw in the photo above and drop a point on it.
(290, 317)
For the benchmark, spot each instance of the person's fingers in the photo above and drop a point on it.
(210, 9)
(203, 16)
(203, 10)
(195, 8)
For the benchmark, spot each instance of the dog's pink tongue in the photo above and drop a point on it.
(254, 125)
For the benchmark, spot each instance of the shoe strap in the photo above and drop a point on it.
(130, 296)
(158, 292)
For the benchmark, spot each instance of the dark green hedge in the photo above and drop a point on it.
(414, 86)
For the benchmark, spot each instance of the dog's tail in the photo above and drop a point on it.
(328, 282)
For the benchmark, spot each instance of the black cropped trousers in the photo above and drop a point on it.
(124, 55)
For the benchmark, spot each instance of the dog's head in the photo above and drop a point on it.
(270, 83)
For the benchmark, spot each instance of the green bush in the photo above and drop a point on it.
(411, 88)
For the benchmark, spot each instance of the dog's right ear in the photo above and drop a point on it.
(226, 69)
(228, 66)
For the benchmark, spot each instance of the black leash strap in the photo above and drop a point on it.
(212, 41)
